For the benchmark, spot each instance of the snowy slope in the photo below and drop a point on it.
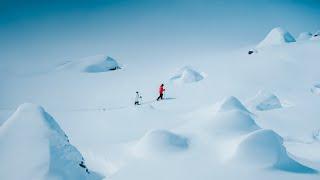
(33, 146)
(193, 134)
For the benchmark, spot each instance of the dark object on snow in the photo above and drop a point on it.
(84, 166)
(115, 68)
(251, 51)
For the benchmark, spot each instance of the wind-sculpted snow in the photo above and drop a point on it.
(187, 75)
(92, 64)
(264, 149)
(32, 143)
(158, 142)
(276, 36)
(264, 101)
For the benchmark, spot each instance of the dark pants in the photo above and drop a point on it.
(136, 103)
(160, 97)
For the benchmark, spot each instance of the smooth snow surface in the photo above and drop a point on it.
(276, 36)
(264, 101)
(160, 141)
(33, 146)
(187, 75)
(92, 64)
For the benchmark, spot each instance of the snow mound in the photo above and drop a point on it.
(264, 101)
(276, 36)
(92, 64)
(230, 119)
(316, 89)
(33, 146)
(264, 149)
(187, 75)
(102, 65)
(304, 36)
(231, 103)
(160, 142)
(231, 123)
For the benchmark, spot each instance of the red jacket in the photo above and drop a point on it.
(161, 90)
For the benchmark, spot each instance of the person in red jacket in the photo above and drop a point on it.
(161, 91)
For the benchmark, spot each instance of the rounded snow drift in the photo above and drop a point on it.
(231, 123)
(102, 65)
(92, 64)
(160, 142)
(187, 75)
(264, 149)
(276, 36)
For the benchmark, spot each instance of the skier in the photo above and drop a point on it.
(138, 98)
(161, 91)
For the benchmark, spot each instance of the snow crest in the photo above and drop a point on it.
(276, 36)
(32, 141)
(231, 103)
